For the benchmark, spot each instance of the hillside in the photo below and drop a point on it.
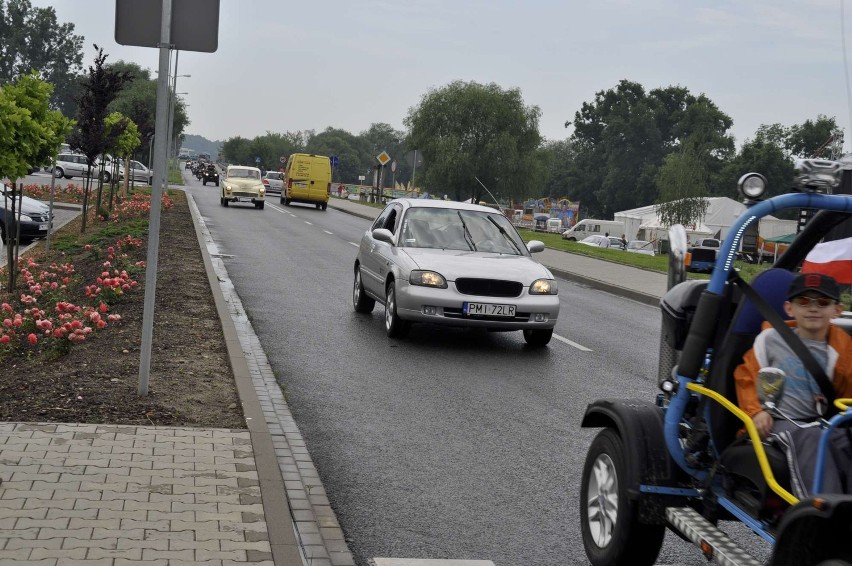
(201, 144)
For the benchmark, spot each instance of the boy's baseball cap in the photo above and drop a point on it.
(817, 282)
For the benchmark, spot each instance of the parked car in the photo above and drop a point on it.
(70, 165)
(138, 172)
(640, 247)
(35, 215)
(453, 264)
(616, 243)
(274, 182)
(242, 184)
(702, 256)
(596, 241)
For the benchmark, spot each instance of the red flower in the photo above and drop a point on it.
(32, 338)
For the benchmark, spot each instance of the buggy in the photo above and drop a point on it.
(681, 461)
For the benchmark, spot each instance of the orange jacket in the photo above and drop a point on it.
(839, 368)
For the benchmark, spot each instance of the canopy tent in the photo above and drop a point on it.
(776, 242)
(785, 239)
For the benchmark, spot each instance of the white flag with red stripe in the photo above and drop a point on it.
(831, 258)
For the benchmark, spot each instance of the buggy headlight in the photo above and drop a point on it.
(543, 287)
(427, 279)
(752, 185)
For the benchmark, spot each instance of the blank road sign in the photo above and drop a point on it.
(195, 24)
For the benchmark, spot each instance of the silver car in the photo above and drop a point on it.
(454, 264)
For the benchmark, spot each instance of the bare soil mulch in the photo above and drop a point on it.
(191, 382)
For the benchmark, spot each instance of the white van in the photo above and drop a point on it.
(590, 227)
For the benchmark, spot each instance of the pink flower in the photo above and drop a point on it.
(32, 338)
(4, 339)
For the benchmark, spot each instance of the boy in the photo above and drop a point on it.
(812, 301)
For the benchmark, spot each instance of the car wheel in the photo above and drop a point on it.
(203, 183)
(394, 326)
(224, 201)
(538, 338)
(105, 177)
(360, 300)
(319, 206)
(281, 198)
(324, 205)
(150, 181)
(287, 202)
(609, 519)
(259, 205)
(2, 232)
(58, 172)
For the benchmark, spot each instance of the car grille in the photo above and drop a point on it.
(244, 194)
(489, 287)
(39, 217)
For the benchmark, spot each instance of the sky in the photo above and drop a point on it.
(287, 66)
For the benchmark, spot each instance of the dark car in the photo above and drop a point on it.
(35, 215)
(210, 175)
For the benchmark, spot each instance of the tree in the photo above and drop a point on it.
(32, 38)
(811, 138)
(682, 181)
(761, 155)
(126, 136)
(470, 131)
(352, 151)
(559, 156)
(29, 133)
(91, 135)
(382, 137)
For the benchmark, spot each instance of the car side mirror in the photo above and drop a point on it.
(770, 386)
(535, 246)
(383, 235)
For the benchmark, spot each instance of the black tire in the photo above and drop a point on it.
(324, 205)
(150, 181)
(287, 202)
(105, 177)
(613, 536)
(58, 172)
(224, 202)
(259, 205)
(67, 176)
(204, 183)
(360, 300)
(395, 327)
(319, 206)
(2, 233)
(281, 199)
(538, 338)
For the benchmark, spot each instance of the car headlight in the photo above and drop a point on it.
(261, 189)
(427, 279)
(543, 287)
(228, 188)
(26, 217)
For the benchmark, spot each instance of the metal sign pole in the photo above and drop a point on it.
(50, 212)
(160, 148)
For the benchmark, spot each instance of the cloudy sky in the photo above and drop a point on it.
(285, 66)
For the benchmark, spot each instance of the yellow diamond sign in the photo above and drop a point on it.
(383, 157)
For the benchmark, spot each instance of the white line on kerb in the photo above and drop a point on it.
(329, 233)
(570, 343)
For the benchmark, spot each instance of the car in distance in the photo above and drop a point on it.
(274, 181)
(70, 165)
(35, 215)
(242, 184)
(453, 264)
(640, 247)
(138, 172)
(307, 179)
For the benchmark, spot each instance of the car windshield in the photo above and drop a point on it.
(273, 175)
(244, 173)
(453, 229)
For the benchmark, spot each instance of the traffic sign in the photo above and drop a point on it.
(257, 159)
(283, 159)
(335, 161)
(383, 157)
(393, 167)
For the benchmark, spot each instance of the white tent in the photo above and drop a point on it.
(721, 213)
(654, 230)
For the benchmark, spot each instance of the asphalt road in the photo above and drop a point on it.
(450, 443)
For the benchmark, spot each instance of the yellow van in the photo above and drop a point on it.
(307, 178)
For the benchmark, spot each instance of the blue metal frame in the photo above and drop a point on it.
(718, 280)
(824, 438)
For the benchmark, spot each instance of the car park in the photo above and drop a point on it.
(242, 184)
(640, 247)
(453, 264)
(35, 215)
(689, 459)
(274, 181)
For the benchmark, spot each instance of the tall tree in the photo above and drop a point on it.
(812, 137)
(351, 150)
(382, 137)
(682, 182)
(469, 131)
(32, 38)
(91, 135)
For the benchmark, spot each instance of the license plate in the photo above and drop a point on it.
(42, 227)
(487, 309)
(244, 199)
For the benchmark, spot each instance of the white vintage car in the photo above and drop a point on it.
(242, 184)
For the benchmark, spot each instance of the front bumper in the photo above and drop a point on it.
(412, 301)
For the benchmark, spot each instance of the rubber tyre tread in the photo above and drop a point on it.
(259, 205)
(398, 328)
(361, 302)
(538, 338)
(633, 543)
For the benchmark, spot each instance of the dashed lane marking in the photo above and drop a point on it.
(570, 343)
(354, 244)
(308, 223)
(329, 233)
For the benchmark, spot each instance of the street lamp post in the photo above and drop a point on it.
(172, 104)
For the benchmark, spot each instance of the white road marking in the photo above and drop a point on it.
(570, 343)
(308, 223)
(354, 244)
(329, 233)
